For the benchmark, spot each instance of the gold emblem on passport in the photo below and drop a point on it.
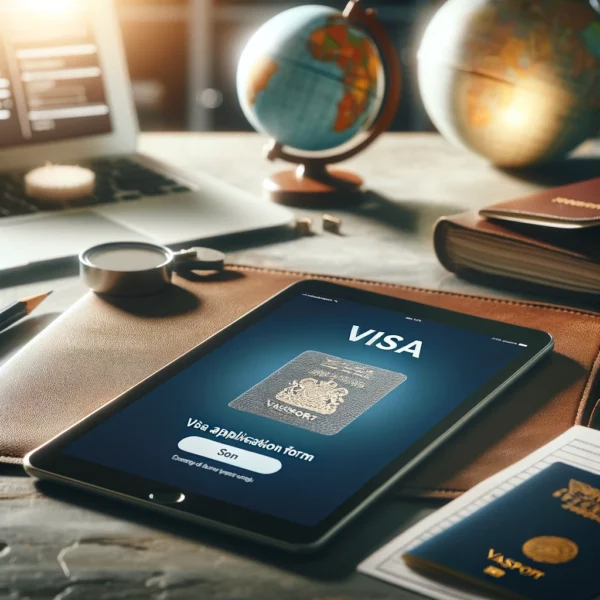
(322, 397)
(550, 549)
(580, 498)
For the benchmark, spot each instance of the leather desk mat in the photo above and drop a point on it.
(99, 348)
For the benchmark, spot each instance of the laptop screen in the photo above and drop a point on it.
(51, 81)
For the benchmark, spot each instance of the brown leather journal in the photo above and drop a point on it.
(100, 348)
(547, 240)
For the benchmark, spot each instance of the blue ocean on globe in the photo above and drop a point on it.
(310, 80)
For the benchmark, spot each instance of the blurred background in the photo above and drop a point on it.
(183, 55)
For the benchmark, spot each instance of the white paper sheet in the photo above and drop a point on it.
(579, 446)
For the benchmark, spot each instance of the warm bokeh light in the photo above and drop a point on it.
(47, 7)
(515, 117)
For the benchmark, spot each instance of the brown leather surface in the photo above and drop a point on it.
(98, 349)
(577, 203)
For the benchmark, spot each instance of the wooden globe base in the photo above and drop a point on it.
(314, 187)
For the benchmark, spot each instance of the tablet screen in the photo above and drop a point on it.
(292, 415)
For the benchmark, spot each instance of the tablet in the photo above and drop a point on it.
(287, 423)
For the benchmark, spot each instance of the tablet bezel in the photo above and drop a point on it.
(47, 461)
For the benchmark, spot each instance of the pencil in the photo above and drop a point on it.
(21, 308)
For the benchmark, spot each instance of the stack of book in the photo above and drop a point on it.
(548, 240)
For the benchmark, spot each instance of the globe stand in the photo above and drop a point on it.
(312, 184)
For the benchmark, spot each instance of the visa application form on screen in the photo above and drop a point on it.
(297, 412)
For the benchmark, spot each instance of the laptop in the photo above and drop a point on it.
(65, 98)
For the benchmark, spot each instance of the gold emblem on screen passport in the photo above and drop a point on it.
(322, 397)
(581, 498)
(550, 549)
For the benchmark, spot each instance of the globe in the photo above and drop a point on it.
(310, 80)
(517, 81)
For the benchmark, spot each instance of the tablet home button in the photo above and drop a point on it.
(166, 497)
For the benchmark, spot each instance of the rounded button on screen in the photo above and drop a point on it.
(252, 461)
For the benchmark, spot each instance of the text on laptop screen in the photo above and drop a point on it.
(51, 84)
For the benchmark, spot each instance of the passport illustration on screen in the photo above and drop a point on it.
(319, 392)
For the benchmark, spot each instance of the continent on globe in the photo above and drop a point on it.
(359, 64)
(261, 73)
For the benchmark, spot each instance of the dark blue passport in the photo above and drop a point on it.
(540, 541)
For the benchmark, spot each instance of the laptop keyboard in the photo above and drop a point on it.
(117, 180)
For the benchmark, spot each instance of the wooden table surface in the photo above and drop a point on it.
(58, 544)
